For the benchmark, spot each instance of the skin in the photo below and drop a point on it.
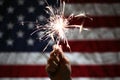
(58, 66)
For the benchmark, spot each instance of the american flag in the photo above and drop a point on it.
(95, 53)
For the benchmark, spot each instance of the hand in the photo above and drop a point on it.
(58, 66)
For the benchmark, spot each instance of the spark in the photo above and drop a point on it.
(58, 25)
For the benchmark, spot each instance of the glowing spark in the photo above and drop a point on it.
(57, 25)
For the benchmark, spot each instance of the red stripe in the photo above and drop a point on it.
(94, 46)
(99, 21)
(91, 1)
(77, 71)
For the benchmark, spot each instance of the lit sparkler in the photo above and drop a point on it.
(57, 25)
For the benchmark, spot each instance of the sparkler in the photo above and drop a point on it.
(57, 25)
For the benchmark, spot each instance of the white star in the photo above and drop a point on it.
(41, 2)
(1, 18)
(30, 25)
(10, 9)
(30, 42)
(1, 34)
(39, 34)
(20, 2)
(31, 9)
(20, 18)
(9, 42)
(20, 34)
(1, 3)
(41, 18)
(10, 25)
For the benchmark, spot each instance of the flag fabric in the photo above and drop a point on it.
(95, 54)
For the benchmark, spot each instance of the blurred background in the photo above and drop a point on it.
(95, 54)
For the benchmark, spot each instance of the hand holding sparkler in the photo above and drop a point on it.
(58, 66)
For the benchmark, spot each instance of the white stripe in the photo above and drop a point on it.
(75, 58)
(94, 9)
(79, 78)
(94, 34)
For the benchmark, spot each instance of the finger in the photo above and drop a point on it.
(51, 66)
(53, 62)
(57, 51)
(54, 56)
(62, 57)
